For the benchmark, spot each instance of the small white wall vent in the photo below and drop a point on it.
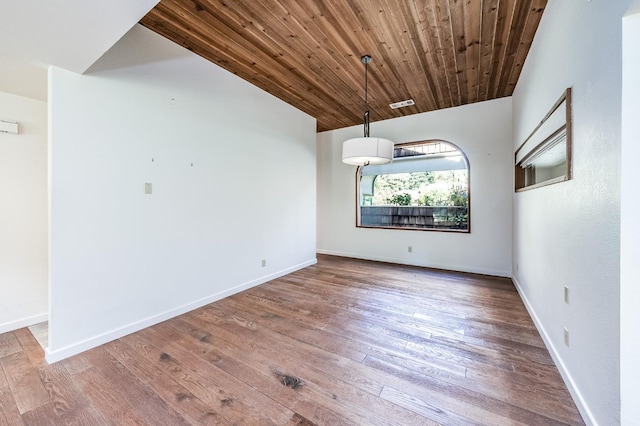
(402, 104)
(8, 127)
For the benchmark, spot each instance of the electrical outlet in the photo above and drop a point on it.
(148, 188)
(410, 249)
(516, 267)
(264, 262)
(566, 337)
(566, 294)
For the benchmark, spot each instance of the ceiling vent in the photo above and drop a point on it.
(402, 104)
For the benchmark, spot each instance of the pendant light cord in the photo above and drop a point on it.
(365, 60)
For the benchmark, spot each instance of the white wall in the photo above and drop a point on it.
(233, 175)
(568, 233)
(483, 132)
(630, 223)
(23, 214)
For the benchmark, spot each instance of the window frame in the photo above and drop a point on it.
(566, 128)
(358, 177)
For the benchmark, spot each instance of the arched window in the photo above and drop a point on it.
(425, 187)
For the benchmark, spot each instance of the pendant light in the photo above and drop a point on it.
(367, 150)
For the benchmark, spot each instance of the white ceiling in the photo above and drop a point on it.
(70, 34)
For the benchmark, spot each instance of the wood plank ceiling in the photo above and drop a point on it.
(440, 53)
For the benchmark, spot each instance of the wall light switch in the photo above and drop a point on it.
(147, 188)
(8, 127)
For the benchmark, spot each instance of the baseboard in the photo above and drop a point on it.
(76, 348)
(23, 322)
(586, 413)
(448, 267)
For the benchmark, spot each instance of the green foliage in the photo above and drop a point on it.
(439, 188)
(386, 187)
(461, 221)
(400, 199)
(402, 181)
(434, 197)
(458, 196)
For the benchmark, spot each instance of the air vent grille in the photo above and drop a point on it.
(402, 104)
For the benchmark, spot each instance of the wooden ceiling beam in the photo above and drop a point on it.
(528, 31)
(500, 40)
(488, 31)
(472, 21)
(429, 39)
(518, 20)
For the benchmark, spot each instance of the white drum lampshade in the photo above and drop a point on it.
(367, 150)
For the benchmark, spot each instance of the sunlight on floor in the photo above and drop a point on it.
(41, 333)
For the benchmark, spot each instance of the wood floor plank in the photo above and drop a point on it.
(361, 342)
(476, 397)
(343, 313)
(356, 374)
(24, 382)
(407, 324)
(236, 401)
(344, 398)
(76, 364)
(9, 344)
(361, 330)
(298, 420)
(142, 398)
(305, 355)
(179, 397)
(485, 323)
(338, 341)
(253, 368)
(30, 347)
(320, 338)
(425, 404)
(447, 355)
(41, 416)
(525, 393)
(9, 414)
(516, 351)
(107, 399)
(68, 403)
(4, 384)
(344, 341)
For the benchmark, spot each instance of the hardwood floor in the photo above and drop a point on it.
(339, 343)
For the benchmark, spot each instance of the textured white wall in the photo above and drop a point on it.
(233, 175)
(569, 233)
(23, 214)
(630, 223)
(483, 132)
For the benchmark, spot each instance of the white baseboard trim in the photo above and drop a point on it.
(23, 322)
(586, 413)
(458, 268)
(76, 348)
